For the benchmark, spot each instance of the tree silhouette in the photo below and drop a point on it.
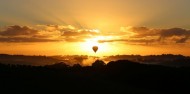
(115, 77)
(98, 64)
(77, 67)
(60, 65)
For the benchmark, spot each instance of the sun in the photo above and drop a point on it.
(88, 45)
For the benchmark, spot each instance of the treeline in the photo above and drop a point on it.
(117, 77)
(84, 60)
(164, 59)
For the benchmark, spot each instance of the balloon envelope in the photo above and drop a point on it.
(95, 48)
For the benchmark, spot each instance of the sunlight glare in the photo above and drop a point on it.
(89, 43)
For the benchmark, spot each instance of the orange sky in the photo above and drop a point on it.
(69, 40)
(69, 27)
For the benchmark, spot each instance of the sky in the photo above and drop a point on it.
(70, 27)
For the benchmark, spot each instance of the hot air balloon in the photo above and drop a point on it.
(95, 48)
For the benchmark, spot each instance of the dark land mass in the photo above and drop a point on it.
(164, 59)
(116, 77)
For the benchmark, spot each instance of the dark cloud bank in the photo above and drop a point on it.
(139, 34)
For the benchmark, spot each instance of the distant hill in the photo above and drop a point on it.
(42, 60)
(165, 59)
(27, 60)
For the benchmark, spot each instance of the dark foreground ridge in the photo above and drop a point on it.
(119, 77)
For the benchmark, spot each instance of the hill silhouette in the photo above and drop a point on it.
(84, 60)
(118, 77)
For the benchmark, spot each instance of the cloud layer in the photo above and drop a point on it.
(45, 33)
(145, 35)
(54, 33)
